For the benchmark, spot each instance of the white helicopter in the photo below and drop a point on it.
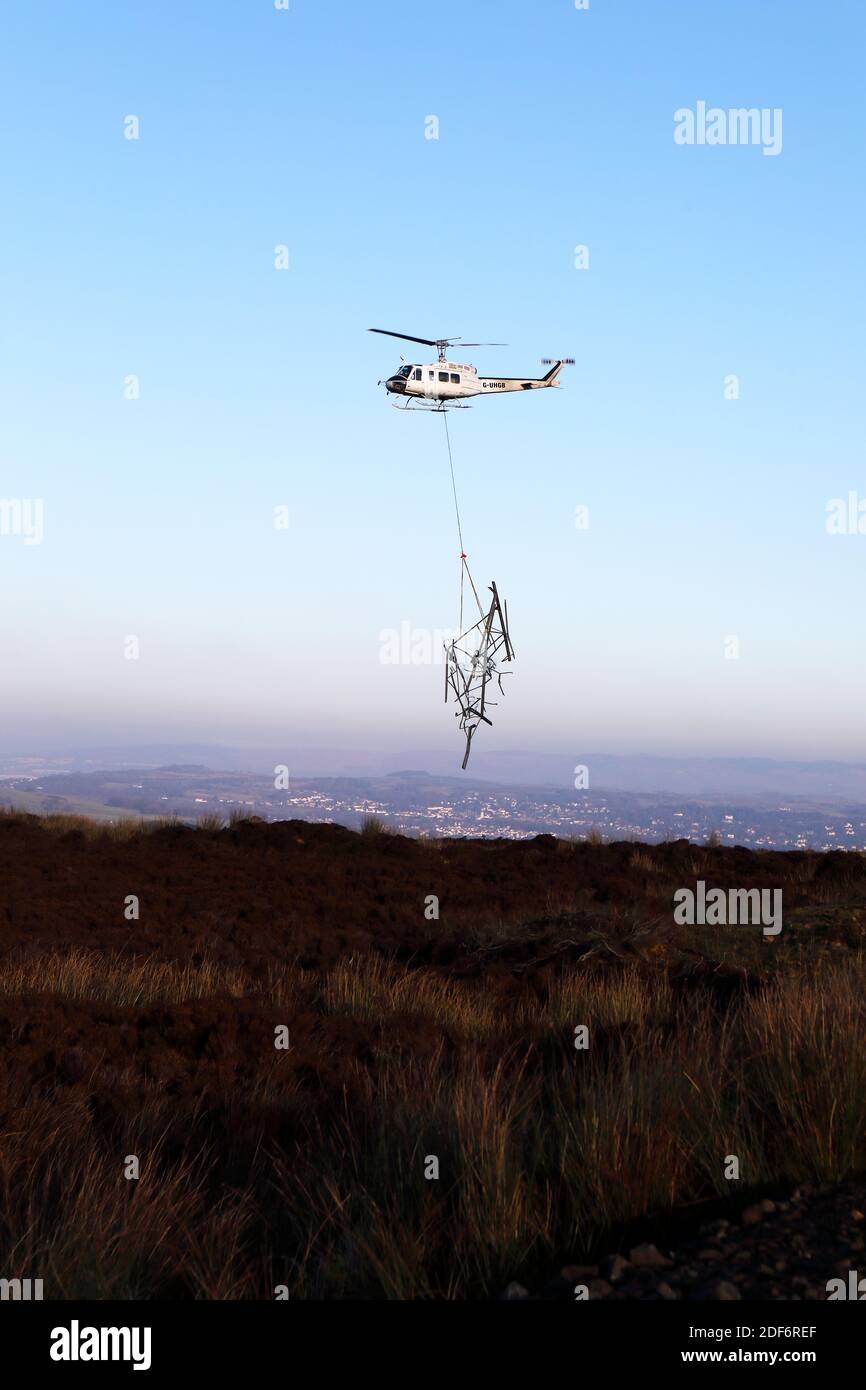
(442, 385)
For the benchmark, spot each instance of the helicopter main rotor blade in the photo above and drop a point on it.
(428, 342)
(484, 345)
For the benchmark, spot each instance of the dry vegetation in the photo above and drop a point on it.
(305, 1167)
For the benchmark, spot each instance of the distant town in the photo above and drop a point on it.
(418, 803)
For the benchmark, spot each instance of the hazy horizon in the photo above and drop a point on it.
(712, 777)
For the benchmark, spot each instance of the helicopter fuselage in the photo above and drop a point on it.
(452, 381)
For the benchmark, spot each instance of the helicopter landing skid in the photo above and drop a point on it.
(440, 407)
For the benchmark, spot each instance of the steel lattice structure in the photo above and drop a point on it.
(471, 663)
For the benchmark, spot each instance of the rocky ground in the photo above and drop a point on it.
(785, 1249)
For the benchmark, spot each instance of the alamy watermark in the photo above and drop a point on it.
(77, 1343)
(24, 517)
(20, 1290)
(738, 907)
(846, 516)
(414, 646)
(853, 1288)
(738, 125)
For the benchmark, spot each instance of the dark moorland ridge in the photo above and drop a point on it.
(413, 1038)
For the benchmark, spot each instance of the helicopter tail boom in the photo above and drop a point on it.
(517, 383)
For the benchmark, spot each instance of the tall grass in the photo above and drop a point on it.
(323, 1181)
(546, 1149)
(118, 979)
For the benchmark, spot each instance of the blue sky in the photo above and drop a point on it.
(306, 128)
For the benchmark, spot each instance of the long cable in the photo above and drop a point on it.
(453, 484)
(463, 565)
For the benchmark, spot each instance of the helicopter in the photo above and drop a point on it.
(444, 384)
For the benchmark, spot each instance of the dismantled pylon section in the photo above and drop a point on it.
(471, 663)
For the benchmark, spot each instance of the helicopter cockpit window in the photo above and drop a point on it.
(404, 371)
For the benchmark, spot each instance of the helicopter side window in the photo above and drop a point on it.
(417, 376)
(455, 377)
(443, 376)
